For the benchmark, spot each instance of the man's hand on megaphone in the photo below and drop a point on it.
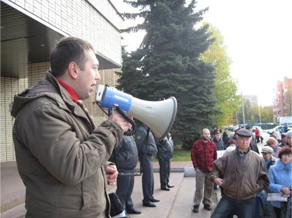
(117, 118)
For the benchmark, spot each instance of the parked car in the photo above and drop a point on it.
(280, 128)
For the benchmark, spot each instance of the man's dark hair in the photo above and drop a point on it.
(248, 127)
(69, 49)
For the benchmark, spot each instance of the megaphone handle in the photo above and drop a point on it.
(130, 132)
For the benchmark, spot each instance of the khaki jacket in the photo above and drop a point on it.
(60, 154)
(241, 180)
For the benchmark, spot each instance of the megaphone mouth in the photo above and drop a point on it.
(159, 116)
(172, 118)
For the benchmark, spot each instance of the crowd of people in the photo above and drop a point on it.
(66, 162)
(244, 176)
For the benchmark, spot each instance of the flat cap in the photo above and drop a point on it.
(244, 133)
(283, 134)
(217, 131)
(267, 149)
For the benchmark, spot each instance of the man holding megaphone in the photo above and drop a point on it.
(61, 155)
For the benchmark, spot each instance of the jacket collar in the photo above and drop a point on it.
(279, 165)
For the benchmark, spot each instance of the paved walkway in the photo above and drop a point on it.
(174, 203)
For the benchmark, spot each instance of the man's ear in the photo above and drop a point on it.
(73, 70)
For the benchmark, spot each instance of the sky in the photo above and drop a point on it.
(258, 37)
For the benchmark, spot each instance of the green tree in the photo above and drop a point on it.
(167, 64)
(225, 89)
(266, 114)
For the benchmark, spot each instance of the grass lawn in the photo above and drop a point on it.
(181, 155)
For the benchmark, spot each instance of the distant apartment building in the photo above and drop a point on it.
(29, 31)
(252, 99)
(283, 99)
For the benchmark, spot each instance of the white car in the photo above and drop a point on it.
(280, 128)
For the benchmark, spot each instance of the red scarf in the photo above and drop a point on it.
(71, 91)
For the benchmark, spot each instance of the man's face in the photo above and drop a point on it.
(217, 136)
(284, 140)
(243, 143)
(289, 141)
(86, 80)
(267, 156)
(206, 135)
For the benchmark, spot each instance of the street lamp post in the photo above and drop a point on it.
(242, 106)
(260, 118)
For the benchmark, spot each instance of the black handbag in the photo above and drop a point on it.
(116, 205)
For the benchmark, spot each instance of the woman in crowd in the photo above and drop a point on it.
(231, 145)
(273, 143)
(280, 176)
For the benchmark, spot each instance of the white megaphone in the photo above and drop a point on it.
(159, 116)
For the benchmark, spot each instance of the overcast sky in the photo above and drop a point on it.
(258, 36)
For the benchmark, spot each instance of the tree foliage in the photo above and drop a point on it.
(255, 114)
(266, 114)
(228, 102)
(167, 63)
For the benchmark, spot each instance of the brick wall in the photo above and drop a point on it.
(36, 72)
(9, 86)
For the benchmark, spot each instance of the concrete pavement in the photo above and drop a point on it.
(174, 203)
(178, 202)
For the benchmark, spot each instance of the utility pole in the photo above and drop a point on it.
(260, 118)
(242, 106)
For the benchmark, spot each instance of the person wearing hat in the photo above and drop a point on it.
(267, 153)
(261, 201)
(289, 138)
(283, 141)
(253, 143)
(217, 139)
(241, 174)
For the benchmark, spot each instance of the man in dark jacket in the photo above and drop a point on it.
(242, 174)
(164, 155)
(217, 139)
(203, 154)
(147, 149)
(125, 156)
(61, 155)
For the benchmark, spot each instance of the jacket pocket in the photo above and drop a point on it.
(86, 197)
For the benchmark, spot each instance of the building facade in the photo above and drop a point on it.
(282, 103)
(29, 31)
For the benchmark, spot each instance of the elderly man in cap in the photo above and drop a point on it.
(241, 174)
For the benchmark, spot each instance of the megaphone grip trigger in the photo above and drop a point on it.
(122, 113)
